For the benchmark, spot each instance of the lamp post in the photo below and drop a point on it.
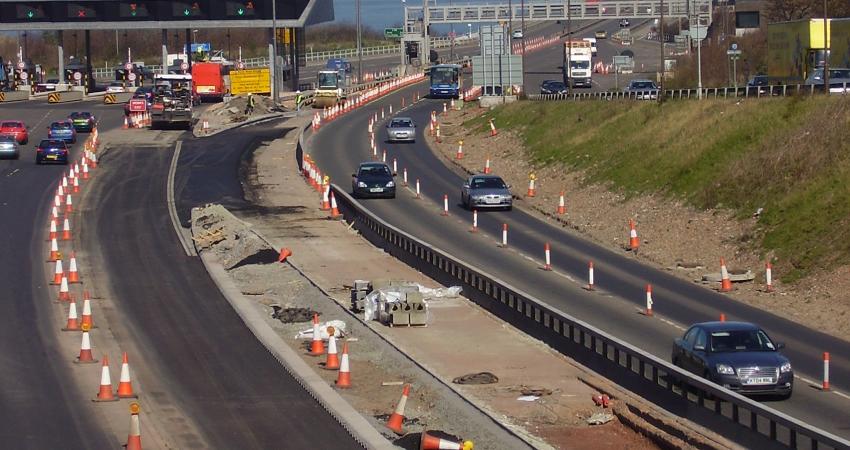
(825, 51)
(469, 30)
(661, 41)
(273, 62)
(699, 61)
(359, 44)
(569, 50)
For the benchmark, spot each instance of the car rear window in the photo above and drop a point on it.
(10, 125)
(401, 123)
(61, 125)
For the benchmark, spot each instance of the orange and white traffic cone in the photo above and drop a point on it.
(334, 209)
(87, 316)
(332, 363)
(60, 191)
(474, 228)
(418, 193)
(54, 251)
(66, 230)
(445, 205)
(134, 438)
(73, 274)
(94, 160)
(326, 200)
(722, 317)
(493, 130)
(85, 356)
(126, 125)
(72, 324)
(430, 442)
(634, 242)
(459, 154)
(768, 277)
(504, 235)
(562, 207)
(725, 282)
(343, 380)
(317, 347)
(439, 140)
(105, 393)
(52, 233)
(125, 386)
(649, 302)
(487, 165)
(69, 205)
(590, 276)
(548, 253)
(76, 185)
(532, 191)
(64, 293)
(58, 274)
(396, 420)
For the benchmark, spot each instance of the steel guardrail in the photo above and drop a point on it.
(572, 336)
(784, 90)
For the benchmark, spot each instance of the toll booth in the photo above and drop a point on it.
(76, 74)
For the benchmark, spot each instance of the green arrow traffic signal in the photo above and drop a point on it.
(240, 11)
(186, 12)
(30, 14)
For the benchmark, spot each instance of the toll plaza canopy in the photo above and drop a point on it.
(161, 14)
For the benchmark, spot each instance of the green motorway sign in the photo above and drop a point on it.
(393, 32)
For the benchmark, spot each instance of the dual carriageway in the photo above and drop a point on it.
(206, 365)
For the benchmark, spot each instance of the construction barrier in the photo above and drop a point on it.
(14, 96)
(64, 97)
(117, 98)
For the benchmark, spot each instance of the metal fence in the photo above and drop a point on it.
(615, 358)
(785, 90)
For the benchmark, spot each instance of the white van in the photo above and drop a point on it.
(592, 41)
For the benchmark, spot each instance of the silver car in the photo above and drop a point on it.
(401, 129)
(642, 89)
(486, 191)
(839, 79)
(9, 148)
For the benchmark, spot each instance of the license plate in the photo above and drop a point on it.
(376, 190)
(759, 380)
(492, 201)
(51, 156)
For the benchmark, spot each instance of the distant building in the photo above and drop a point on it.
(749, 15)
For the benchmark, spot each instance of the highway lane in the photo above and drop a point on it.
(343, 143)
(41, 409)
(199, 353)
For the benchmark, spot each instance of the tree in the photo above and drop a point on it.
(785, 10)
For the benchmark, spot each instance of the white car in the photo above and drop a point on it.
(115, 87)
(517, 34)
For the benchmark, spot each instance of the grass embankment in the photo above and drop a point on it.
(789, 156)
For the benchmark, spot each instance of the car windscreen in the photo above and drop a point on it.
(401, 124)
(644, 85)
(373, 171)
(9, 125)
(488, 183)
(740, 341)
(580, 64)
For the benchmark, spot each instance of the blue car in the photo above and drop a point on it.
(51, 151)
(736, 355)
(62, 130)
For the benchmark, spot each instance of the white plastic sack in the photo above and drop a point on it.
(449, 292)
(338, 326)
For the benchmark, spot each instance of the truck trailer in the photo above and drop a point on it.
(795, 49)
(577, 63)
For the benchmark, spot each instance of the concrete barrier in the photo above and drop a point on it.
(14, 96)
(64, 97)
(117, 97)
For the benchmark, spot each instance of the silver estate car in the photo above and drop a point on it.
(9, 148)
(401, 129)
(486, 191)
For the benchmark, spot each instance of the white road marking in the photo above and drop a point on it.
(172, 208)
(13, 172)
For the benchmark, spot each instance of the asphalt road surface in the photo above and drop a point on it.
(343, 143)
(40, 409)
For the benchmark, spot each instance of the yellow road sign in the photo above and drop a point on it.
(255, 81)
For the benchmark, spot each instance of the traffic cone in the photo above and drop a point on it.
(60, 191)
(474, 228)
(343, 380)
(76, 185)
(397, 418)
(547, 252)
(58, 274)
(532, 191)
(562, 208)
(590, 276)
(125, 386)
(439, 141)
(52, 234)
(334, 209)
(65, 183)
(85, 348)
(445, 205)
(284, 253)
(493, 130)
(73, 275)
(57, 200)
(332, 363)
(94, 160)
(64, 294)
(649, 302)
(431, 442)
(69, 205)
(87, 317)
(105, 393)
(72, 324)
(768, 277)
(134, 438)
(459, 154)
(66, 230)
(317, 347)
(326, 201)
(54, 251)
(126, 125)
(725, 282)
(487, 165)
(634, 242)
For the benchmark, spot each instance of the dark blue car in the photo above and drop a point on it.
(373, 179)
(51, 151)
(62, 130)
(736, 355)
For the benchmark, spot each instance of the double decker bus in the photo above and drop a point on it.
(446, 81)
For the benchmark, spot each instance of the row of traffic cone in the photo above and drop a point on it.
(137, 120)
(534, 44)
(366, 96)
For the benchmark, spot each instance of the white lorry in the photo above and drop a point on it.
(577, 63)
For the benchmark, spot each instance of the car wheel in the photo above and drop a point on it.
(25, 142)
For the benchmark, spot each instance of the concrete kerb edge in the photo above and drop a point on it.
(251, 121)
(352, 421)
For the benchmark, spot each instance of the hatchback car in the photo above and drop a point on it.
(373, 179)
(401, 129)
(643, 89)
(82, 121)
(517, 34)
(15, 129)
(601, 34)
(486, 191)
(553, 87)
(9, 148)
(115, 87)
(759, 85)
(51, 150)
(736, 355)
(62, 130)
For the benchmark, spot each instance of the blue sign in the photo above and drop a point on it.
(201, 47)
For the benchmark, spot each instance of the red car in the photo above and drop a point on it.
(15, 129)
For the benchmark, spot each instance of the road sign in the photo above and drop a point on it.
(138, 105)
(184, 66)
(21, 65)
(240, 65)
(733, 52)
(734, 46)
(131, 76)
(24, 75)
(393, 32)
(78, 76)
(128, 66)
(251, 80)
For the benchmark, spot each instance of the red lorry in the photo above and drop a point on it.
(208, 80)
